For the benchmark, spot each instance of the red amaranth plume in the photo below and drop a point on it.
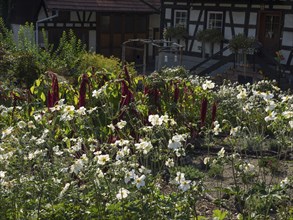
(127, 76)
(82, 90)
(53, 97)
(203, 111)
(126, 94)
(214, 112)
(176, 93)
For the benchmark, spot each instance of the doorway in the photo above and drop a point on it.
(270, 31)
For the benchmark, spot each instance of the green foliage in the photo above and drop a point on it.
(241, 42)
(178, 32)
(210, 35)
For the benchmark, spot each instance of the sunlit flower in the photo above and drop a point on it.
(242, 94)
(169, 162)
(122, 193)
(179, 177)
(184, 185)
(139, 181)
(155, 120)
(216, 128)
(77, 166)
(144, 146)
(271, 106)
(271, 116)
(81, 110)
(121, 124)
(284, 182)
(2, 174)
(102, 159)
(206, 160)
(266, 95)
(208, 85)
(7, 132)
(129, 175)
(21, 124)
(221, 153)
(291, 124)
(174, 145)
(288, 114)
(64, 190)
(234, 131)
(111, 126)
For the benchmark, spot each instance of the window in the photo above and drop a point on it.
(180, 18)
(215, 20)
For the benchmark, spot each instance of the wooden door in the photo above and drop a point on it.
(270, 31)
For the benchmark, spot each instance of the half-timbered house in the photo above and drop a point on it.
(270, 22)
(102, 25)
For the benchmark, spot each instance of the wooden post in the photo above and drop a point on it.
(144, 58)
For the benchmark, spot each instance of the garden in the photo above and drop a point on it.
(83, 137)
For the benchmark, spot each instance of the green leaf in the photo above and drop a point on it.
(32, 89)
(43, 97)
(38, 82)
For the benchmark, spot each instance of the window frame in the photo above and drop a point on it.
(216, 13)
(184, 24)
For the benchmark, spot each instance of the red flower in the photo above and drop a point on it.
(82, 90)
(203, 111)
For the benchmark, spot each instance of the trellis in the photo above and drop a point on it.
(165, 49)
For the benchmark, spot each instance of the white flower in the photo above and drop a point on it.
(144, 146)
(165, 118)
(155, 120)
(169, 162)
(30, 124)
(284, 182)
(139, 181)
(121, 124)
(174, 145)
(21, 124)
(81, 111)
(206, 160)
(77, 166)
(271, 106)
(242, 94)
(288, 114)
(208, 85)
(266, 96)
(111, 126)
(221, 153)
(291, 124)
(2, 174)
(234, 131)
(121, 153)
(64, 190)
(179, 137)
(69, 109)
(144, 170)
(102, 159)
(7, 132)
(271, 116)
(122, 193)
(217, 128)
(129, 175)
(179, 178)
(184, 185)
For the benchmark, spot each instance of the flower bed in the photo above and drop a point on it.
(121, 146)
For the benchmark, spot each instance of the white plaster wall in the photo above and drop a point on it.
(228, 33)
(238, 17)
(196, 46)
(194, 15)
(92, 40)
(253, 18)
(238, 30)
(288, 21)
(287, 39)
(168, 13)
(191, 29)
(286, 54)
(227, 17)
(251, 32)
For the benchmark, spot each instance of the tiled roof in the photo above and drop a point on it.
(105, 5)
